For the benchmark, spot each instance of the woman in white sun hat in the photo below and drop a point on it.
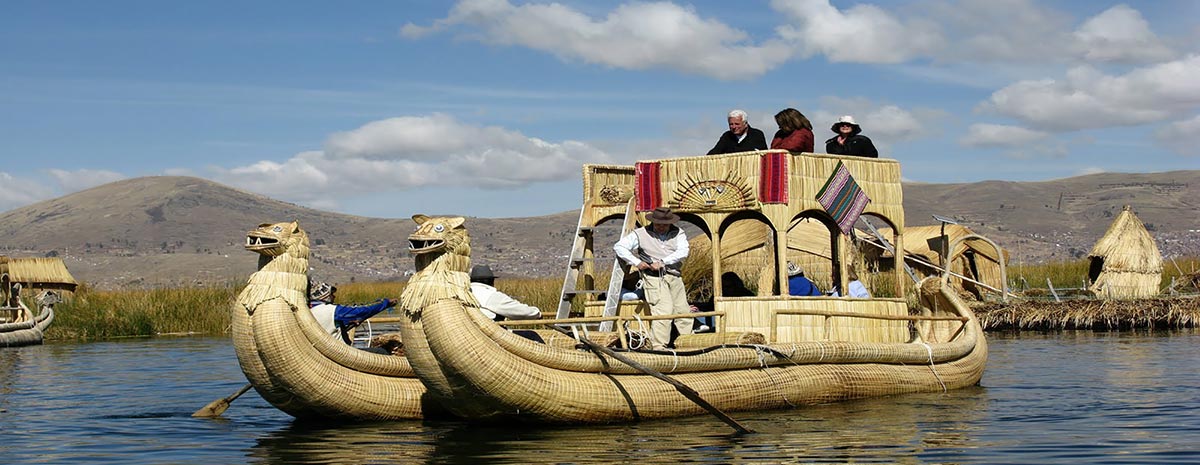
(849, 140)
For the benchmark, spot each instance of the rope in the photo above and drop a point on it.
(762, 351)
(641, 331)
(932, 367)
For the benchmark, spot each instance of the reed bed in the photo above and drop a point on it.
(1155, 313)
(1072, 275)
(96, 314)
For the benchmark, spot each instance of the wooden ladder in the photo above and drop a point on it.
(583, 240)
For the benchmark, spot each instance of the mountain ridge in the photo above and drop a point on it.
(172, 230)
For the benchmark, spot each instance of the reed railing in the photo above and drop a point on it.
(828, 314)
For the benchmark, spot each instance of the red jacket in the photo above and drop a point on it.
(800, 140)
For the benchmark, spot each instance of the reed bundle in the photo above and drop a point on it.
(1153, 313)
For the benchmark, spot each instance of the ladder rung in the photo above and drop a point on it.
(569, 294)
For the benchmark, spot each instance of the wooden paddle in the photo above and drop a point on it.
(688, 392)
(217, 407)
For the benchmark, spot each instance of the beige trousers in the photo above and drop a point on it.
(666, 296)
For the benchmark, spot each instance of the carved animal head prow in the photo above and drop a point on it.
(436, 235)
(274, 239)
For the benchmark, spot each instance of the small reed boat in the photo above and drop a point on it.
(770, 350)
(18, 325)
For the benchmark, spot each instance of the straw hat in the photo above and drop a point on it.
(321, 291)
(846, 120)
(794, 269)
(482, 273)
(662, 215)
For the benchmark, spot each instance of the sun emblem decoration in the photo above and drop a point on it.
(731, 193)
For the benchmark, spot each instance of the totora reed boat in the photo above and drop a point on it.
(749, 213)
(770, 350)
(18, 325)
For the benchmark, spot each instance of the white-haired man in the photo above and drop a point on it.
(740, 137)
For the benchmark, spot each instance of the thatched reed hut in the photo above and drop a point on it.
(973, 256)
(1125, 263)
(35, 274)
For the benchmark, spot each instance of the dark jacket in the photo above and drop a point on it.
(728, 143)
(857, 145)
(800, 140)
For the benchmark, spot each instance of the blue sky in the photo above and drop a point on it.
(489, 107)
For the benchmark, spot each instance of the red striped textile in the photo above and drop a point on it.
(773, 178)
(842, 198)
(648, 188)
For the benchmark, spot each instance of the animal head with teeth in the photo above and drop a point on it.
(274, 239)
(439, 235)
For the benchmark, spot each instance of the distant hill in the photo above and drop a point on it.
(180, 230)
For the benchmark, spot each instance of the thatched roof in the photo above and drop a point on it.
(36, 270)
(1127, 246)
(1125, 263)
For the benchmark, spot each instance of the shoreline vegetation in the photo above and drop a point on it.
(103, 314)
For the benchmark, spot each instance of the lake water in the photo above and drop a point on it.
(1074, 397)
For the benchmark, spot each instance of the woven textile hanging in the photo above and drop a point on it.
(842, 198)
(773, 178)
(649, 189)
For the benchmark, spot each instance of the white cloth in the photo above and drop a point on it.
(324, 315)
(492, 302)
(857, 289)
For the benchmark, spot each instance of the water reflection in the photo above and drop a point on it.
(894, 430)
(1057, 398)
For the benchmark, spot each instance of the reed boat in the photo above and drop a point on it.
(292, 362)
(770, 350)
(21, 327)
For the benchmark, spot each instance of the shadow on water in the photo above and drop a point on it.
(908, 429)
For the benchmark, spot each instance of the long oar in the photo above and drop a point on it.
(217, 407)
(688, 392)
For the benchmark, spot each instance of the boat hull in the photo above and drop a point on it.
(524, 381)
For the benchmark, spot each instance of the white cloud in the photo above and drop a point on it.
(73, 181)
(663, 34)
(1120, 33)
(632, 36)
(884, 124)
(863, 33)
(405, 153)
(1182, 137)
(17, 192)
(1086, 98)
(998, 135)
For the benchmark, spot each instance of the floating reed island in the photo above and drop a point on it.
(1122, 290)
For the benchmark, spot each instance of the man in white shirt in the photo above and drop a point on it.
(495, 304)
(658, 252)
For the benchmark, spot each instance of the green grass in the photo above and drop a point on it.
(1073, 273)
(94, 314)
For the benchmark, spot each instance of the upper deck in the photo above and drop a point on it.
(779, 185)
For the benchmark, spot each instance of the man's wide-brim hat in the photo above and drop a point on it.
(845, 120)
(662, 215)
(482, 272)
